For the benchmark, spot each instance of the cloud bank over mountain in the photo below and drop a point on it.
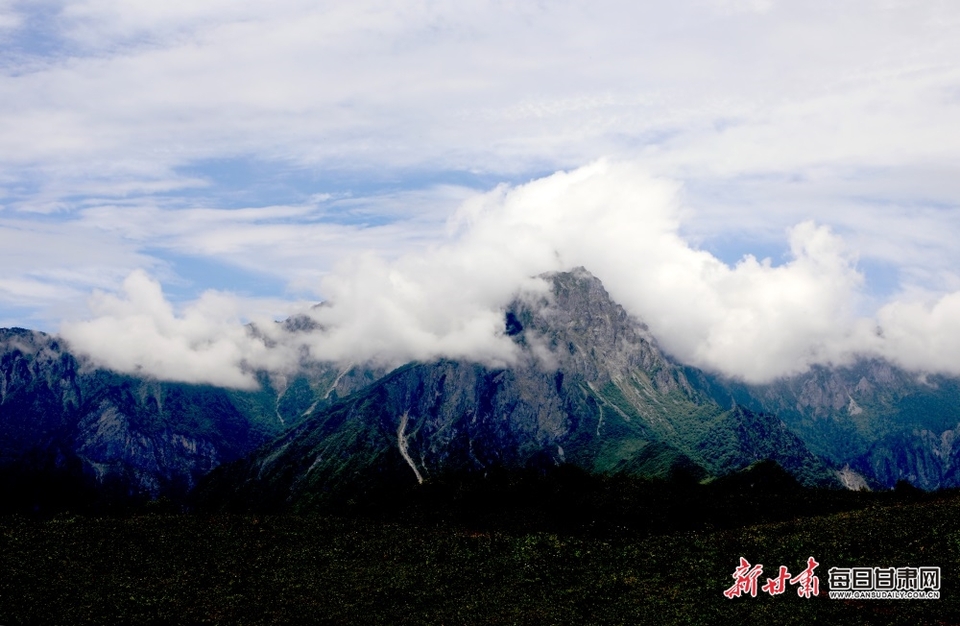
(755, 319)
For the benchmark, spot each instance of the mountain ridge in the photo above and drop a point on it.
(590, 387)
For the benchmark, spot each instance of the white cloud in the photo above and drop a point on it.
(752, 320)
(9, 17)
(139, 333)
(742, 6)
(755, 320)
(769, 114)
(921, 335)
(480, 85)
(50, 267)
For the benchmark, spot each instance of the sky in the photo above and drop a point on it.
(767, 184)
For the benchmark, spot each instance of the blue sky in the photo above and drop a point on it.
(259, 149)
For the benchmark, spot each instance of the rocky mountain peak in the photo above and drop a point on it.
(577, 327)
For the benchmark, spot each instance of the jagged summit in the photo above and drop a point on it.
(589, 334)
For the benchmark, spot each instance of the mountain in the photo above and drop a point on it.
(589, 387)
(67, 426)
(878, 420)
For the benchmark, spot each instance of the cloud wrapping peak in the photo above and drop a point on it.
(754, 320)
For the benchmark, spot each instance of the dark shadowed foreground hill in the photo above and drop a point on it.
(233, 569)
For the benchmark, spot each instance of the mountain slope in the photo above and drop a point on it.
(883, 422)
(64, 421)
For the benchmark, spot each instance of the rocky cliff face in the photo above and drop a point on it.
(884, 423)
